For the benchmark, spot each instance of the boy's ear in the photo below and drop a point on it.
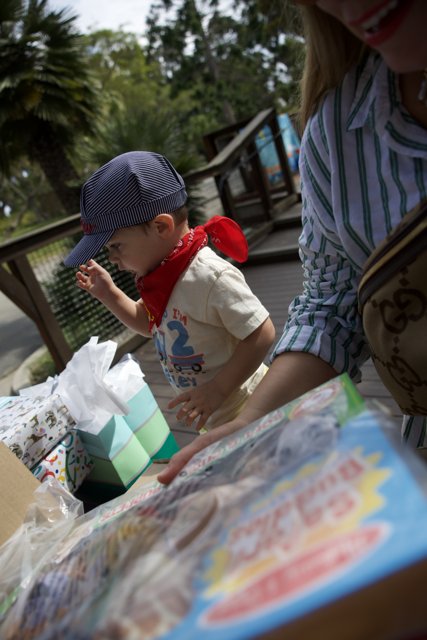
(164, 223)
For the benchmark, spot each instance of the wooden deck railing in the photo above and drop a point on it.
(256, 205)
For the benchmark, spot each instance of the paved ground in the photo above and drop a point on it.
(19, 338)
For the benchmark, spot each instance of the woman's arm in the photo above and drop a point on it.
(290, 375)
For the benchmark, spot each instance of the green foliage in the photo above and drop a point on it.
(119, 62)
(47, 94)
(42, 368)
(26, 201)
(43, 76)
(139, 112)
(91, 97)
(13, 225)
(233, 65)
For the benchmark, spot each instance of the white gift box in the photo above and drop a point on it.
(68, 462)
(32, 426)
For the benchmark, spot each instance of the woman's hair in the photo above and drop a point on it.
(331, 50)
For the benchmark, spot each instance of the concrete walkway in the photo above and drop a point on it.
(19, 338)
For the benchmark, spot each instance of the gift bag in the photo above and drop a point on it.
(118, 420)
(117, 455)
(68, 462)
(31, 426)
(145, 418)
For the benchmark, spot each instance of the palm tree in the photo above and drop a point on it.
(47, 95)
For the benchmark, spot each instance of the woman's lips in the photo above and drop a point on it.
(380, 25)
(375, 14)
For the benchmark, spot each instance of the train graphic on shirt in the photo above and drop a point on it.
(182, 358)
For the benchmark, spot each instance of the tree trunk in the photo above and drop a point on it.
(213, 67)
(59, 171)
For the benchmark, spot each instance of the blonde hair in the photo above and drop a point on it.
(331, 51)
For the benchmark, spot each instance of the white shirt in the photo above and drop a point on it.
(363, 165)
(211, 309)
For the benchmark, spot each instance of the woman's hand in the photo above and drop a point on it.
(180, 459)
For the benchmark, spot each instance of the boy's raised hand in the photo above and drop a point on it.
(198, 404)
(94, 279)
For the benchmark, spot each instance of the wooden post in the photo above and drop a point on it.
(31, 300)
(261, 181)
(281, 152)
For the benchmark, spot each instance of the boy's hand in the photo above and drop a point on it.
(198, 404)
(94, 279)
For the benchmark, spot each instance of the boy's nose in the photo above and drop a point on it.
(114, 260)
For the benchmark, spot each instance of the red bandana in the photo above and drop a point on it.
(156, 287)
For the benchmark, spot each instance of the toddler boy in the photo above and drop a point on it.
(211, 332)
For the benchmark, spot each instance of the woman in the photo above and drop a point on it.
(363, 166)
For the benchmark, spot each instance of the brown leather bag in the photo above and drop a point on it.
(393, 305)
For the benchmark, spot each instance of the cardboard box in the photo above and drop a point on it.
(17, 486)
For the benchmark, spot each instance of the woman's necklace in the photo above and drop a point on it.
(422, 92)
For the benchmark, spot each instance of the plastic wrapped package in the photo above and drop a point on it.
(48, 519)
(305, 517)
(98, 553)
(127, 548)
(300, 530)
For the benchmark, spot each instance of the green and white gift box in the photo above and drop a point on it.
(118, 419)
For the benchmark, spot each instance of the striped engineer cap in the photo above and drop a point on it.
(130, 189)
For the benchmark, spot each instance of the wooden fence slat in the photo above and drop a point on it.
(16, 291)
(46, 321)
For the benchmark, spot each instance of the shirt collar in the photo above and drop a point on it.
(377, 104)
(371, 80)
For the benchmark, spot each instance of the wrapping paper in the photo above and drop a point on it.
(32, 426)
(68, 462)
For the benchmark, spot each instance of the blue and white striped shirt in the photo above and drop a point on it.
(363, 166)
